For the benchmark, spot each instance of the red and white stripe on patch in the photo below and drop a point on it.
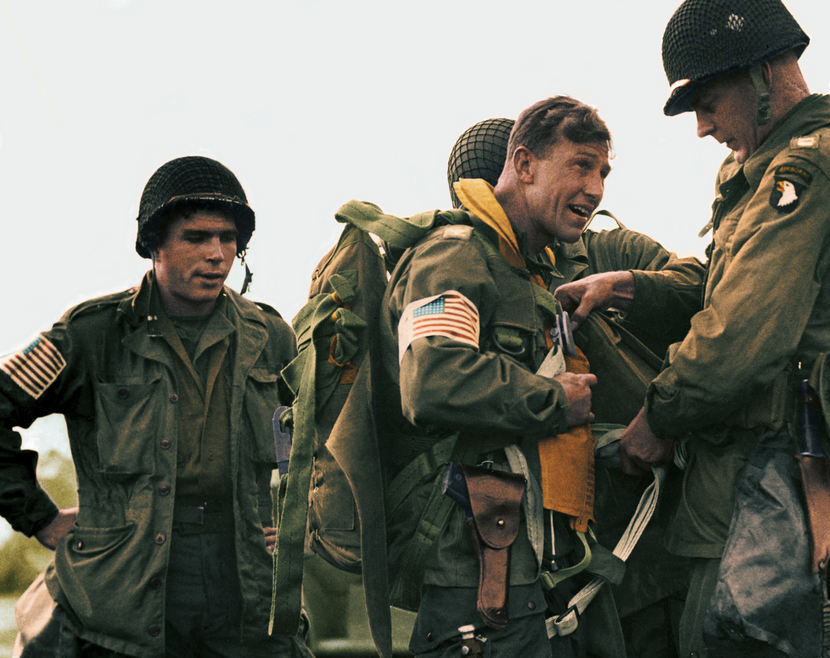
(449, 314)
(35, 367)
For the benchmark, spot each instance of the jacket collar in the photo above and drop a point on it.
(570, 259)
(250, 337)
(805, 117)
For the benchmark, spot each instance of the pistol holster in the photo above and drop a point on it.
(495, 499)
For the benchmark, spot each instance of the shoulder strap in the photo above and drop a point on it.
(398, 231)
(334, 347)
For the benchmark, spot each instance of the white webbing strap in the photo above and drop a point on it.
(567, 622)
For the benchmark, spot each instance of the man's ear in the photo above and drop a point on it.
(523, 164)
(766, 71)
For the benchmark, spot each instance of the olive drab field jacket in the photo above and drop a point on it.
(487, 392)
(115, 384)
(766, 308)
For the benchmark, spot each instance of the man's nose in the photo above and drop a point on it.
(705, 127)
(595, 187)
(215, 249)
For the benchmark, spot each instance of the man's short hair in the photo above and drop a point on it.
(542, 124)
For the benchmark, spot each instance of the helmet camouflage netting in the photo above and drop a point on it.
(480, 152)
(707, 39)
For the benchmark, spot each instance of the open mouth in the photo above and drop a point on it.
(582, 211)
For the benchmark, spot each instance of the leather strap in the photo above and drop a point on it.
(815, 475)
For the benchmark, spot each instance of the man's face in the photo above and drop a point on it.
(193, 262)
(567, 187)
(725, 110)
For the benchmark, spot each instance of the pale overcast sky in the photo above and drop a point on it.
(310, 103)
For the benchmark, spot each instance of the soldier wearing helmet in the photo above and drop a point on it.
(728, 391)
(650, 598)
(481, 152)
(168, 391)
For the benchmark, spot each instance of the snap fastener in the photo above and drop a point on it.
(161, 538)
(164, 489)
(154, 630)
(123, 393)
(174, 397)
(155, 583)
(165, 444)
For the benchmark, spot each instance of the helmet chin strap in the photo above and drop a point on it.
(246, 284)
(762, 116)
(153, 330)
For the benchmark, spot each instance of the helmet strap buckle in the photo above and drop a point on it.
(249, 276)
(762, 116)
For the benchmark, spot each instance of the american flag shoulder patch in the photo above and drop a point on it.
(35, 367)
(449, 314)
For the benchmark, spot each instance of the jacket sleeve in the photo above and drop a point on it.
(450, 384)
(773, 265)
(668, 289)
(45, 377)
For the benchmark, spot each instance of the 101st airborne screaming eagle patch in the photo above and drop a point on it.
(790, 184)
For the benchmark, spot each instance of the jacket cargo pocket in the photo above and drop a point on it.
(127, 422)
(261, 401)
(91, 565)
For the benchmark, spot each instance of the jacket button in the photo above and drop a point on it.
(155, 583)
(174, 397)
(123, 392)
(531, 606)
(79, 545)
(165, 444)
(154, 630)
(211, 456)
(161, 538)
(164, 489)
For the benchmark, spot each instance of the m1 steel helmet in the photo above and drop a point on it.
(480, 152)
(192, 181)
(708, 39)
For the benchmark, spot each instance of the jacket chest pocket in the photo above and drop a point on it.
(130, 422)
(261, 401)
(515, 342)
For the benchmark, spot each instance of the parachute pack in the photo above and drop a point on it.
(334, 486)
(333, 498)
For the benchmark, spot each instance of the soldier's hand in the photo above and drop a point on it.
(51, 534)
(596, 292)
(270, 538)
(578, 390)
(640, 448)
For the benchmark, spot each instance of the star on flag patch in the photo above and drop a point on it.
(35, 367)
(449, 314)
